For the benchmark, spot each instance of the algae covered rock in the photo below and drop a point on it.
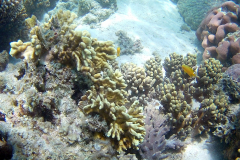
(4, 58)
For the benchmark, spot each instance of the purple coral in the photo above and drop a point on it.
(234, 72)
(154, 143)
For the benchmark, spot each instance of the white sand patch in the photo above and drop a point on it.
(156, 22)
(197, 151)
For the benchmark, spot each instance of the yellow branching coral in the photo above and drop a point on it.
(126, 126)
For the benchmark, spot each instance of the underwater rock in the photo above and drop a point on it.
(4, 58)
(127, 44)
(234, 72)
(90, 12)
(38, 7)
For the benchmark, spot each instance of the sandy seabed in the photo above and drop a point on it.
(155, 22)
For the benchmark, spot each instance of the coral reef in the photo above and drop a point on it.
(208, 74)
(219, 33)
(127, 45)
(90, 12)
(234, 72)
(173, 68)
(193, 11)
(139, 86)
(153, 68)
(68, 98)
(12, 28)
(126, 125)
(155, 145)
(38, 7)
(141, 82)
(177, 106)
(77, 49)
(177, 91)
(44, 118)
(69, 47)
(230, 83)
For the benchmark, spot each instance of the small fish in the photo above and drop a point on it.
(188, 70)
(118, 51)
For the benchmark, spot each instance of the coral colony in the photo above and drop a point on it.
(67, 98)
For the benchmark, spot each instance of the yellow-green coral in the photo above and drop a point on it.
(126, 125)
